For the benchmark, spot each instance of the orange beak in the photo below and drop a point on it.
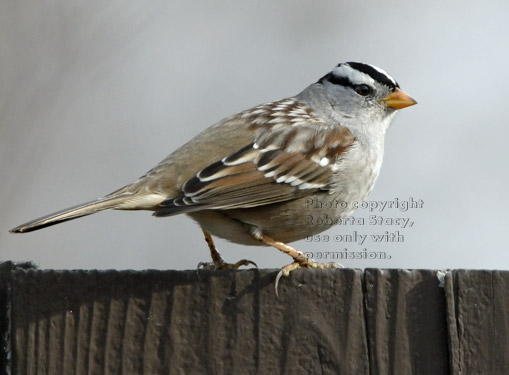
(398, 99)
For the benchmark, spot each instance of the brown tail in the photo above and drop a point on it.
(72, 213)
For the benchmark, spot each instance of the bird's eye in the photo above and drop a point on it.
(363, 90)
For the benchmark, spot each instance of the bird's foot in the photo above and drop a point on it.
(299, 258)
(217, 260)
(222, 265)
(302, 260)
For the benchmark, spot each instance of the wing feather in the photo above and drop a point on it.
(289, 158)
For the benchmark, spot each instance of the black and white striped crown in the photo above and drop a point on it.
(354, 73)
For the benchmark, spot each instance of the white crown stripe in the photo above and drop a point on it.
(380, 70)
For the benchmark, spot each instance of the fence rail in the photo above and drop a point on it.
(344, 321)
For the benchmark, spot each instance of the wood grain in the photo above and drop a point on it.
(340, 321)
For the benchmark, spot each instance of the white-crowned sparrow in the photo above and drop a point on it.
(275, 173)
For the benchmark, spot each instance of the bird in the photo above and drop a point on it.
(250, 177)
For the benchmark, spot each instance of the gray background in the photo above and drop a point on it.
(95, 93)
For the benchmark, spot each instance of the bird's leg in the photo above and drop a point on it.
(299, 258)
(217, 260)
(214, 254)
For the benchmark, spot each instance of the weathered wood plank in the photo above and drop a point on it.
(186, 322)
(478, 308)
(407, 332)
(324, 321)
(5, 302)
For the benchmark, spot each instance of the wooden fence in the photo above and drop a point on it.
(344, 321)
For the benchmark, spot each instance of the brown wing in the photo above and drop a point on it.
(289, 159)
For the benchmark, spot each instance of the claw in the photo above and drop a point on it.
(244, 262)
(205, 265)
(225, 266)
(217, 261)
(279, 274)
(300, 262)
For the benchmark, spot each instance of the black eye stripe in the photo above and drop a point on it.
(343, 81)
(373, 73)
